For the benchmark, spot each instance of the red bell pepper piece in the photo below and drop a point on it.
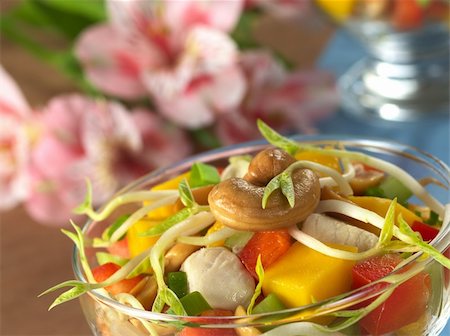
(426, 231)
(120, 248)
(408, 14)
(407, 303)
(189, 331)
(103, 272)
(269, 244)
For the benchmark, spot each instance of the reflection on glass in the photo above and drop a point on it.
(408, 57)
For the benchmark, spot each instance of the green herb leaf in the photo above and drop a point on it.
(260, 272)
(168, 297)
(238, 240)
(388, 228)
(194, 303)
(68, 283)
(203, 174)
(433, 219)
(104, 257)
(276, 138)
(158, 304)
(68, 295)
(168, 223)
(417, 241)
(273, 185)
(143, 267)
(177, 282)
(270, 303)
(287, 187)
(391, 187)
(186, 196)
(109, 231)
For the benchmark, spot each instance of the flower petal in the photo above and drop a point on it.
(12, 98)
(222, 15)
(113, 63)
(131, 16)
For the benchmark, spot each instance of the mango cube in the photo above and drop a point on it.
(136, 243)
(303, 275)
(168, 210)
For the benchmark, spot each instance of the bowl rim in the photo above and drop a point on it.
(348, 298)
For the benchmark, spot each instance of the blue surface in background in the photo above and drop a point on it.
(431, 134)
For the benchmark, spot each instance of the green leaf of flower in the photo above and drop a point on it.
(276, 138)
(260, 272)
(287, 187)
(273, 185)
(186, 196)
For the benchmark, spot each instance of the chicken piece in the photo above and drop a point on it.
(331, 230)
(220, 277)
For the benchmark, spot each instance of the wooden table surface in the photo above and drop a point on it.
(34, 257)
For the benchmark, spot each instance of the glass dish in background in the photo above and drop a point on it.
(107, 317)
(406, 73)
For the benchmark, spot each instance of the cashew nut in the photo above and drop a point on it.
(147, 292)
(364, 179)
(267, 164)
(177, 255)
(237, 202)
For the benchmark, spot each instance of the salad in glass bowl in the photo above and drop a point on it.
(301, 236)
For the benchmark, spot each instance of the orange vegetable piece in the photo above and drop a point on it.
(271, 245)
(120, 248)
(103, 272)
(189, 331)
(408, 14)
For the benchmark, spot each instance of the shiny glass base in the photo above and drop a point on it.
(375, 89)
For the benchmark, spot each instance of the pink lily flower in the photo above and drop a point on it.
(14, 142)
(177, 52)
(288, 102)
(98, 140)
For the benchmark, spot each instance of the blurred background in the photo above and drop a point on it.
(111, 90)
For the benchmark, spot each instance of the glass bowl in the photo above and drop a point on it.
(108, 317)
(405, 75)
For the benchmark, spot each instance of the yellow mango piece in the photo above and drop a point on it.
(213, 228)
(326, 160)
(168, 210)
(381, 205)
(339, 10)
(172, 183)
(136, 243)
(303, 275)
